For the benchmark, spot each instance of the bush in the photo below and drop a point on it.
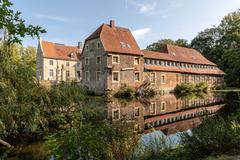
(188, 88)
(201, 87)
(125, 92)
(216, 136)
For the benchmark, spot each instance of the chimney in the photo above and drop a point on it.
(80, 45)
(112, 23)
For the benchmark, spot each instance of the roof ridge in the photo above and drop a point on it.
(59, 44)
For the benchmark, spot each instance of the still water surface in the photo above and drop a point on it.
(165, 116)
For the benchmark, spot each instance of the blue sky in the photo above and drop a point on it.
(70, 21)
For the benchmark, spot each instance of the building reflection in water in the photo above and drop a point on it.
(165, 113)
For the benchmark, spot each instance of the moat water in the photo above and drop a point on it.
(164, 116)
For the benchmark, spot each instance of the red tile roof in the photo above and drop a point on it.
(112, 37)
(179, 54)
(184, 70)
(59, 51)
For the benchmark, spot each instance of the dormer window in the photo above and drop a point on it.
(128, 45)
(123, 45)
(72, 55)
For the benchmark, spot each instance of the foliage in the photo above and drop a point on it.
(158, 46)
(14, 24)
(221, 44)
(94, 138)
(188, 88)
(215, 136)
(125, 92)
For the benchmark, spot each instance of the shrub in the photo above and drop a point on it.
(188, 88)
(125, 92)
(145, 93)
(184, 88)
(216, 136)
(201, 87)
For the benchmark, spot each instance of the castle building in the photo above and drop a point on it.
(111, 58)
(58, 62)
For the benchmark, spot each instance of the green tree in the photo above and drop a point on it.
(14, 24)
(157, 46)
(221, 44)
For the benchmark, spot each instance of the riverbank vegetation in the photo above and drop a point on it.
(190, 88)
(144, 91)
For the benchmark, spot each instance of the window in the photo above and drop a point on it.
(128, 45)
(67, 74)
(123, 45)
(51, 62)
(78, 64)
(152, 77)
(136, 60)
(87, 76)
(87, 61)
(115, 59)
(163, 79)
(163, 106)
(79, 74)
(98, 45)
(87, 47)
(67, 64)
(137, 112)
(115, 76)
(98, 73)
(153, 108)
(51, 72)
(137, 76)
(98, 60)
(116, 114)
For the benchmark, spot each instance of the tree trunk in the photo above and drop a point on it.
(5, 143)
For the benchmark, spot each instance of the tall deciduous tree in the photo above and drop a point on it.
(157, 46)
(221, 44)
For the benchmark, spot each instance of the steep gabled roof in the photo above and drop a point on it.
(116, 39)
(59, 51)
(178, 54)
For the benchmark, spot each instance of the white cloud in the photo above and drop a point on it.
(143, 8)
(54, 18)
(147, 8)
(140, 33)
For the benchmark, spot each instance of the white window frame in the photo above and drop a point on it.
(155, 76)
(87, 47)
(138, 61)
(68, 75)
(51, 62)
(152, 108)
(98, 79)
(86, 58)
(97, 58)
(118, 59)
(135, 76)
(119, 114)
(51, 71)
(164, 75)
(118, 77)
(87, 78)
(163, 103)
